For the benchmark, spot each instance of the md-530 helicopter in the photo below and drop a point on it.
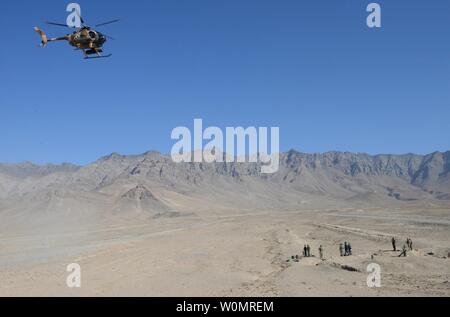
(84, 38)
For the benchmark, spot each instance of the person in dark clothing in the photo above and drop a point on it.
(346, 248)
(305, 251)
(349, 246)
(394, 246)
(410, 244)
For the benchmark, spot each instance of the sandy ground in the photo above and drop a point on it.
(236, 254)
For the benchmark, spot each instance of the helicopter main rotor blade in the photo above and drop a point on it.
(106, 23)
(57, 24)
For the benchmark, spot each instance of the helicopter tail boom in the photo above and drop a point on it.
(45, 39)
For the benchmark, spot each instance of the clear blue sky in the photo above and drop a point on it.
(312, 67)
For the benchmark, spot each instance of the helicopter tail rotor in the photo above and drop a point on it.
(42, 35)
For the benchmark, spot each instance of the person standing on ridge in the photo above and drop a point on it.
(394, 247)
(341, 249)
(321, 252)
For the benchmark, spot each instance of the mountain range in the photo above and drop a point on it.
(152, 185)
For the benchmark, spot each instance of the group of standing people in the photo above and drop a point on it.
(408, 245)
(307, 251)
(345, 249)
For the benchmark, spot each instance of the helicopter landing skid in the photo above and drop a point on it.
(95, 57)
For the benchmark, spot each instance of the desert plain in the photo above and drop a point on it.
(135, 231)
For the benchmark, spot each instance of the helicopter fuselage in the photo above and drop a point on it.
(86, 38)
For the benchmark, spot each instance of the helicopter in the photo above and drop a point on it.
(84, 38)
